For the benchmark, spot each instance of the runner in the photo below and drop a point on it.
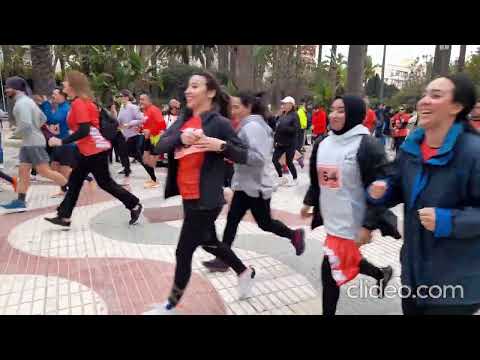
(342, 165)
(195, 171)
(437, 178)
(251, 182)
(83, 121)
(33, 151)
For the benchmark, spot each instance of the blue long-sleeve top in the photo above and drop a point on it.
(58, 117)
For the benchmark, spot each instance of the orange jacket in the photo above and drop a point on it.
(370, 120)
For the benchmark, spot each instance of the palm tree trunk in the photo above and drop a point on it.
(356, 64)
(42, 70)
(319, 55)
(245, 66)
(461, 58)
(441, 61)
(332, 72)
(223, 59)
(233, 63)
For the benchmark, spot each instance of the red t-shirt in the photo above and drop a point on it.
(190, 166)
(85, 111)
(155, 122)
(319, 122)
(427, 151)
(370, 120)
(399, 124)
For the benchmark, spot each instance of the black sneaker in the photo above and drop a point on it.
(383, 282)
(216, 265)
(58, 221)
(298, 241)
(135, 214)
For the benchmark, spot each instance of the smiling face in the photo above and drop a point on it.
(197, 94)
(239, 111)
(337, 115)
(437, 106)
(58, 97)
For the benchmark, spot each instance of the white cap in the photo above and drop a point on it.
(289, 99)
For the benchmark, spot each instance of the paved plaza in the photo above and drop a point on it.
(104, 266)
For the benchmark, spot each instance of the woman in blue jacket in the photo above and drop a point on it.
(437, 177)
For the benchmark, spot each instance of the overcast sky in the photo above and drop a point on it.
(397, 53)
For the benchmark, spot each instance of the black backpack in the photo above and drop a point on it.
(108, 124)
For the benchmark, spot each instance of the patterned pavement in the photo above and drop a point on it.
(103, 266)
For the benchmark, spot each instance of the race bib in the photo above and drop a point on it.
(329, 176)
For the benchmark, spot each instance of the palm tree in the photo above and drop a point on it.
(441, 60)
(222, 58)
(319, 55)
(356, 64)
(461, 58)
(332, 73)
(43, 73)
(245, 66)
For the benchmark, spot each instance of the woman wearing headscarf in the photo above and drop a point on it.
(342, 166)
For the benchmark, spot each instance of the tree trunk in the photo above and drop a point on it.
(355, 72)
(332, 72)
(223, 59)
(42, 70)
(245, 67)
(461, 58)
(7, 60)
(441, 61)
(319, 55)
(209, 58)
(233, 63)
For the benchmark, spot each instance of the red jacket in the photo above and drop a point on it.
(399, 124)
(319, 122)
(370, 120)
(155, 122)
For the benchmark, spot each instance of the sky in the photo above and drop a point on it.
(397, 53)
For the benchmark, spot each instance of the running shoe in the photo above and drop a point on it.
(135, 214)
(383, 282)
(282, 181)
(151, 184)
(298, 241)
(162, 309)
(15, 206)
(294, 182)
(301, 162)
(245, 283)
(58, 221)
(216, 265)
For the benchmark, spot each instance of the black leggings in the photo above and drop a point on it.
(97, 165)
(331, 291)
(198, 229)
(121, 150)
(6, 177)
(260, 209)
(136, 151)
(410, 307)
(289, 152)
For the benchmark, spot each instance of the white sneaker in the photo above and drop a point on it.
(245, 283)
(292, 183)
(161, 309)
(282, 181)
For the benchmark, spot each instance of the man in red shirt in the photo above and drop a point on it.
(319, 121)
(153, 128)
(370, 118)
(475, 116)
(399, 124)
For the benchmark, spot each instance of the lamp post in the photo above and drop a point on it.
(382, 83)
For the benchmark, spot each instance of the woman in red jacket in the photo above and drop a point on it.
(319, 121)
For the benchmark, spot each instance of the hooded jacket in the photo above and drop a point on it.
(302, 116)
(253, 177)
(29, 120)
(450, 183)
(287, 129)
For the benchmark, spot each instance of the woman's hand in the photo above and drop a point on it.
(364, 236)
(427, 218)
(210, 144)
(53, 141)
(191, 136)
(305, 212)
(377, 189)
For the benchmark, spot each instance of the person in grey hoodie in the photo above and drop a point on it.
(33, 151)
(251, 183)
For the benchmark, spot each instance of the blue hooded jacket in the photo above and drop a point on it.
(450, 183)
(58, 117)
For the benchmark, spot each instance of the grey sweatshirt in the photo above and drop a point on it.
(130, 115)
(252, 177)
(29, 120)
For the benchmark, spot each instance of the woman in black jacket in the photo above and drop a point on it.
(285, 141)
(197, 144)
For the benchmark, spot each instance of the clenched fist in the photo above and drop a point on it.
(377, 189)
(427, 218)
